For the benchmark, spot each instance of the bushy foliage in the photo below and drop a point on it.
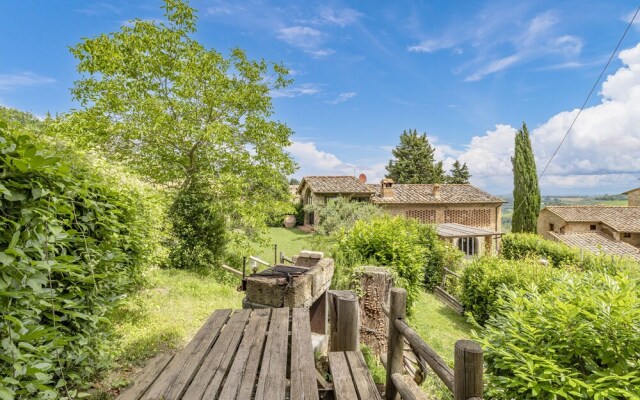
(577, 340)
(483, 279)
(395, 242)
(440, 255)
(198, 227)
(72, 242)
(299, 213)
(341, 213)
(519, 246)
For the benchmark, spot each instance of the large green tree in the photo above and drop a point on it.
(414, 160)
(175, 111)
(459, 173)
(526, 193)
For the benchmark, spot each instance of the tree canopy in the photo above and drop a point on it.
(526, 193)
(459, 173)
(414, 160)
(174, 111)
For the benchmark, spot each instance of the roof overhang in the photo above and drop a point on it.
(452, 230)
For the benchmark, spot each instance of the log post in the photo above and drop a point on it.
(345, 320)
(467, 370)
(376, 282)
(395, 343)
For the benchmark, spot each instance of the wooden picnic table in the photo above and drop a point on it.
(260, 354)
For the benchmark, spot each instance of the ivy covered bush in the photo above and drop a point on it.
(576, 340)
(72, 242)
(485, 277)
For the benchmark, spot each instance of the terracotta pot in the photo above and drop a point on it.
(290, 221)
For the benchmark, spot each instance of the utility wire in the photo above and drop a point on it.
(593, 88)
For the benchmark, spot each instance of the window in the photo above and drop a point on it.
(468, 245)
(592, 227)
(551, 226)
(627, 235)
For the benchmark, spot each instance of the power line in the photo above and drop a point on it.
(586, 100)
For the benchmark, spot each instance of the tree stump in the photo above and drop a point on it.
(376, 282)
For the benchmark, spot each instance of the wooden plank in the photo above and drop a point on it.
(303, 369)
(147, 376)
(365, 386)
(173, 381)
(407, 388)
(449, 300)
(437, 364)
(242, 375)
(272, 382)
(343, 387)
(207, 381)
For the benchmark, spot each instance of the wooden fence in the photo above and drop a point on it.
(464, 380)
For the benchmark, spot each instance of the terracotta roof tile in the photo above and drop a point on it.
(335, 184)
(620, 218)
(423, 194)
(598, 243)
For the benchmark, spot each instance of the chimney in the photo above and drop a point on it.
(386, 188)
(362, 178)
(436, 190)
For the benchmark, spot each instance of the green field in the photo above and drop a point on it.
(289, 241)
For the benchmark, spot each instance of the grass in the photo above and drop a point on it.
(440, 327)
(289, 241)
(162, 317)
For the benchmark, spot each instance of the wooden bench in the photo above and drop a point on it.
(351, 377)
(258, 354)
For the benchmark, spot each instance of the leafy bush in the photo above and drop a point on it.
(577, 340)
(519, 246)
(341, 213)
(395, 242)
(441, 255)
(483, 278)
(71, 245)
(198, 226)
(299, 208)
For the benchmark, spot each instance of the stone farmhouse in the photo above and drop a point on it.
(464, 215)
(611, 230)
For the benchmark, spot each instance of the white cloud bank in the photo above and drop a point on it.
(600, 155)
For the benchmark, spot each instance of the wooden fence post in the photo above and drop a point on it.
(395, 344)
(467, 370)
(345, 320)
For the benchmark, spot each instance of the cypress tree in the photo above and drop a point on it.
(414, 160)
(526, 193)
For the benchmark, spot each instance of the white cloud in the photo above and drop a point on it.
(98, 9)
(600, 153)
(433, 45)
(13, 81)
(341, 17)
(305, 89)
(317, 162)
(342, 97)
(309, 40)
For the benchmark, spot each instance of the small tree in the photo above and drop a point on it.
(526, 193)
(341, 213)
(414, 160)
(459, 173)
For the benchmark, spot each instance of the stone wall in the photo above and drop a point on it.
(633, 198)
(478, 215)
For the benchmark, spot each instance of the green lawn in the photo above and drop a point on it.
(440, 327)
(290, 241)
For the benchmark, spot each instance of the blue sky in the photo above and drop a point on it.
(466, 73)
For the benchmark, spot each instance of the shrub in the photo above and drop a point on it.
(577, 340)
(299, 208)
(483, 278)
(518, 246)
(395, 242)
(71, 244)
(440, 255)
(341, 213)
(198, 226)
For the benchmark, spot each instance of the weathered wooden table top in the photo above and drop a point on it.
(260, 354)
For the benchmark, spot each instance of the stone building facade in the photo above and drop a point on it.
(633, 197)
(431, 204)
(610, 229)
